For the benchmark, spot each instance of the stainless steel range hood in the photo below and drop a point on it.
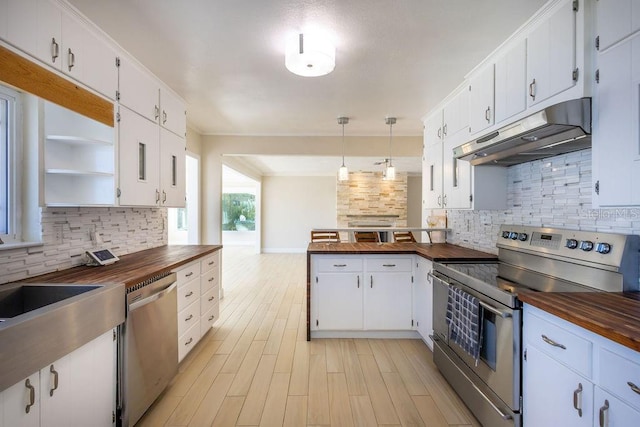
(558, 129)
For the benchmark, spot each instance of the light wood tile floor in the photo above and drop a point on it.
(255, 367)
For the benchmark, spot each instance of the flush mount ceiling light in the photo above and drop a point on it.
(343, 172)
(310, 55)
(390, 171)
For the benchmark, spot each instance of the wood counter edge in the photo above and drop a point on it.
(589, 324)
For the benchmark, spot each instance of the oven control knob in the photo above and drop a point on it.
(505, 234)
(603, 248)
(572, 243)
(513, 235)
(586, 245)
(523, 237)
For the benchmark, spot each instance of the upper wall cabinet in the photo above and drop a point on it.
(481, 101)
(510, 82)
(551, 53)
(616, 20)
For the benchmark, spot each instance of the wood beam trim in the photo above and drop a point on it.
(37, 80)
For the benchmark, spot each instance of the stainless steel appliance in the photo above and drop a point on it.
(530, 259)
(149, 352)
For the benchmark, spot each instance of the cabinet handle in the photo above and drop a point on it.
(440, 200)
(189, 274)
(371, 281)
(211, 317)
(211, 298)
(156, 112)
(164, 196)
(487, 114)
(212, 262)
(633, 387)
(532, 89)
(189, 318)
(552, 342)
(577, 399)
(444, 130)
(444, 200)
(189, 294)
(189, 342)
(358, 277)
(339, 265)
(164, 117)
(32, 395)
(55, 380)
(55, 50)
(72, 59)
(604, 414)
(440, 133)
(211, 279)
(157, 196)
(388, 265)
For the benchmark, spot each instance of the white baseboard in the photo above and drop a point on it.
(284, 250)
(367, 334)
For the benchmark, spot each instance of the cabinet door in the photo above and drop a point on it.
(339, 301)
(551, 54)
(423, 300)
(456, 179)
(172, 169)
(49, 42)
(616, 19)
(16, 400)
(481, 105)
(550, 390)
(139, 91)
(612, 412)
(432, 175)
(22, 27)
(74, 36)
(455, 116)
(139, 154)
(510, 82)
(387, 301)
(173, 114)
(616, 140)
(100, 73)
(4, 22)
(56, 393)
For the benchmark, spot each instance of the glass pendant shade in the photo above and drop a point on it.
(343, 173)
(390, 173)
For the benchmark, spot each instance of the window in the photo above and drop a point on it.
(9, 170)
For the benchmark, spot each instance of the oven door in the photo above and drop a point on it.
(499, 364)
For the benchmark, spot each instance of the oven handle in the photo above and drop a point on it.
(495, 311)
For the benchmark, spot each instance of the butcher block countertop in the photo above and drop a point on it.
(614, 315)
(132, 268)
(434, 252)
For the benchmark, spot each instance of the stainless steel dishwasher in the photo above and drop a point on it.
(148, 354)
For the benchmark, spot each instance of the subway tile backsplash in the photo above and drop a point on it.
(66, 235)
(554, 192)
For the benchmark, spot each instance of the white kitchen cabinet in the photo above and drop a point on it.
(616, 19)
(551, 54)
(22, 403)
(610, 411)
(172, 169)
(21, 24)
(173, 114)
(510, 82)
(481, 99)
(4, 12)
(432, 175)
(423, 299)
(210, 268)
(49, 33)
(79, 153)
(388, 293)
(339, 298)
(616, 130)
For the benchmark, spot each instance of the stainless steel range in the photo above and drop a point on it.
(530, 259)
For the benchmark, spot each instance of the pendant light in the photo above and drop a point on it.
(390, 172)
(310, 55)
(343, 172)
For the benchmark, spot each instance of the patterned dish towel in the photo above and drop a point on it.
(464, 320)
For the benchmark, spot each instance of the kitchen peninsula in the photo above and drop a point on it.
(377, 290)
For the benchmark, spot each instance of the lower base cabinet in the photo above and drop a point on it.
(573, 377)
(78, 389)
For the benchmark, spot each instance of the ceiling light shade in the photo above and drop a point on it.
(310, 55)
(343, 172)
(390, 172)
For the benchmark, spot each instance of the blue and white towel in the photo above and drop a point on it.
(464, 318)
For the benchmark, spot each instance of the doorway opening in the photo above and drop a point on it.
(240, 209)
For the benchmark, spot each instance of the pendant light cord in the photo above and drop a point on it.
(343, 144)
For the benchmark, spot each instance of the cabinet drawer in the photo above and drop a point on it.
(616, 372)
(336, 265)
(188, 272)
(188, 293)
(188, 340)
(389, 264)
(188, 317)
(208, 280)
(208, 300)
(550, 338)
(210, 262)
(208, 319)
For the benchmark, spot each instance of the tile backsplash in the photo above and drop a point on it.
(554, 192)
(67, 234)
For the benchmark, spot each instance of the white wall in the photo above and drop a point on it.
(292, 206)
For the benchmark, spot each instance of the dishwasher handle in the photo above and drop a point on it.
(152, 298)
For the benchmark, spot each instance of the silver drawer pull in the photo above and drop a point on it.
(211, 298)
(388, 265)
(211, 317)
(212, 262)
(604, 415)
(552, 342)
(189, 342)
(339, 265)
(189, 294)
(577, 399)
(55, 380)
(189, 274)
(212, 279)
(32, 395)
(633, 387)
(189, 318)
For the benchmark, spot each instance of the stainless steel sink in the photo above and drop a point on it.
(40, 323)
(22, 299)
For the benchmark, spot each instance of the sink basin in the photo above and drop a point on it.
(22, 299)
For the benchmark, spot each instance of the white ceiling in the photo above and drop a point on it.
(226, 58)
